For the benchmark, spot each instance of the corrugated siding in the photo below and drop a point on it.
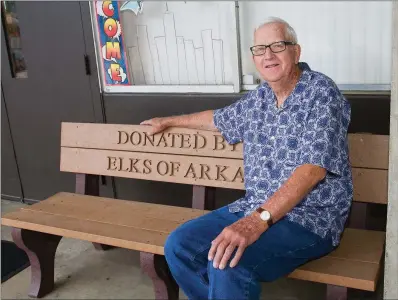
(348, 41)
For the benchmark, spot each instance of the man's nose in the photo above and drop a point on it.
(268, 54)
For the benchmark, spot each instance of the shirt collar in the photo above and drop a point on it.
(304, 77)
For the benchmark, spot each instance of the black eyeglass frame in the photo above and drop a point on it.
(269, 46)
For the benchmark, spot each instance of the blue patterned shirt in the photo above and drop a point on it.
(309, 128)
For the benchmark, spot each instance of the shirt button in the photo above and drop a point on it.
(255, 177)
(272, 138)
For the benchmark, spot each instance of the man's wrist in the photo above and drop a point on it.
(264, 215)
(168, 122)
(260, 223)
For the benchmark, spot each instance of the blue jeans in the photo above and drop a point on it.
(278, 251)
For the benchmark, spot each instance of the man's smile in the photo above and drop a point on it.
(271, 66)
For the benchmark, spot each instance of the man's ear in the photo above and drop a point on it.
(298, 53)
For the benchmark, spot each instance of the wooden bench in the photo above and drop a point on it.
(199, 158)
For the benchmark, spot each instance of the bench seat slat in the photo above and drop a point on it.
(341, 272)
(96, 232)
(135, 220)
(165, 218)
(361, 245)
(153, 217)
(173, 213)
(355, 263)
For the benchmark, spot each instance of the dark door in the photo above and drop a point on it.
(56, 88)
(10, 183)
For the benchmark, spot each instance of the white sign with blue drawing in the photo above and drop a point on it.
(180, 43)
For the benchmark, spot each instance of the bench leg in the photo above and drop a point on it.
(334, 292)
(155, 266)
(40, 248)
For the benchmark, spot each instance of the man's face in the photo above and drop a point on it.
(274, 66)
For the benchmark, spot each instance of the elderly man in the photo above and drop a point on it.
(296, 171)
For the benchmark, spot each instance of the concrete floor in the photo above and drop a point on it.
(81, 272)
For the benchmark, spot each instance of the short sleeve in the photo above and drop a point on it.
(230, 120)
(324, 142)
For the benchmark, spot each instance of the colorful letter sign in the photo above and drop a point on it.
(113, 56)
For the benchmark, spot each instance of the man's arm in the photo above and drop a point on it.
(247, 230)
(201, 120)
(323, 150)
(293, 191)
(228, 120)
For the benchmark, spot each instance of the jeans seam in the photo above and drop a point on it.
(203, 248)
(306, 247)
(247, 284)
(193, 260)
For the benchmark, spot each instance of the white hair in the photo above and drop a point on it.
(290, 33)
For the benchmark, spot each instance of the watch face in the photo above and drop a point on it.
(265, 215)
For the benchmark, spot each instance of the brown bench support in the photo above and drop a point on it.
(358, 215)
(334, 292)
(40, 248)
(155, 266)
(203, 197)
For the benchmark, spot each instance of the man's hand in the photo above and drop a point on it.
(201, 120)
(158, 124)
(240, 234)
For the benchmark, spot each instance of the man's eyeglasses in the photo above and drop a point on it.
(275, 47)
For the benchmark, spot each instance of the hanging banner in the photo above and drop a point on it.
(114, 62)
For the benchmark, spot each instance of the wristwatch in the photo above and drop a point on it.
(265, 215)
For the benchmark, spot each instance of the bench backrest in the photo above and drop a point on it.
(197, 157)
